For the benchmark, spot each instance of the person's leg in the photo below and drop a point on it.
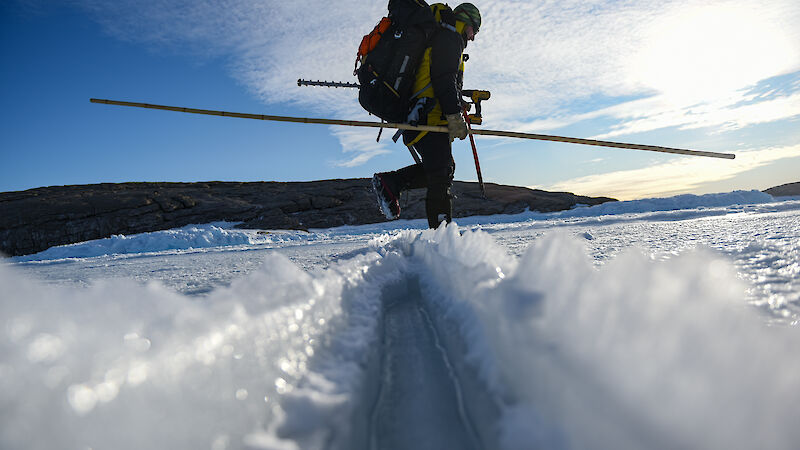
(410, 177)
(439, 167)
(389, 185)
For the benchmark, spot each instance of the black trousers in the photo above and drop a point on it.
(436, 173)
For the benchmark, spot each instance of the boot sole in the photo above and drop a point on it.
(377, 186)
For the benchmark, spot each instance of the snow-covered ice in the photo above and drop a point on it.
(661, 323)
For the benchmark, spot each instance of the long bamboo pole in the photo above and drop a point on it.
(429, 128)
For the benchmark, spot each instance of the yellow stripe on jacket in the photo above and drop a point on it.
(423, 86)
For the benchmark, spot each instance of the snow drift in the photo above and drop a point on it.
(638, 353)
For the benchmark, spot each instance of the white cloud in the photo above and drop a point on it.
(543, 61)
(362, 143)
(693, 61)
(710, 50)
(269, 45)
(724, 114)
(680, 176)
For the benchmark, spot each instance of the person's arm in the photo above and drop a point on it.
(445, 62)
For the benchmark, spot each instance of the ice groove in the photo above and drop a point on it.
(420, 403)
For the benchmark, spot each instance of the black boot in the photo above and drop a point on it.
(387, 194)
(438, 201)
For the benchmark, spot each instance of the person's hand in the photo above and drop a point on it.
(456, 126)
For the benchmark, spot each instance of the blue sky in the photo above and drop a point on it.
(707, 75)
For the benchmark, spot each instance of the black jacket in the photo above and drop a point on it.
(446, 49)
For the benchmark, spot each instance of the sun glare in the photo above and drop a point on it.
(708, 52)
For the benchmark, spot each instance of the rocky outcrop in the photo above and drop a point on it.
(784, 190)
(36, 219)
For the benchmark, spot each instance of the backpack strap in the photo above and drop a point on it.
(447, 18)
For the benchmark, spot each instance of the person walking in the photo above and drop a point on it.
(438, 92)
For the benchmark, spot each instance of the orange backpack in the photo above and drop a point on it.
(369, 41)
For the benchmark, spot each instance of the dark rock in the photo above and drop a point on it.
(36, 219)
(785, 190)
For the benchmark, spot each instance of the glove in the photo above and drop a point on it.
(456, 126)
